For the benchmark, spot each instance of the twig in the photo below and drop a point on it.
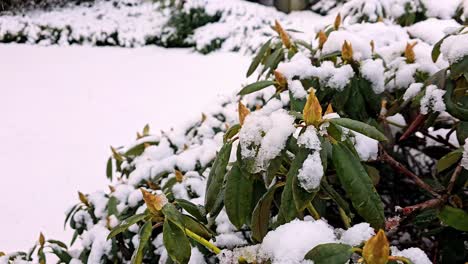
(439, 139)
(414, 126)
(403, 170)
(453, 179)
(432, 203)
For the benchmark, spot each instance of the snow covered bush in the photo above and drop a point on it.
(348, 148)
(206, 25)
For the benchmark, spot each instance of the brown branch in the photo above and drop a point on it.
(414, 126)
(403, 170)
(439, 139)
(453, 179)
(432, 203)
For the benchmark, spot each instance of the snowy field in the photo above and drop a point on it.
(62, 107)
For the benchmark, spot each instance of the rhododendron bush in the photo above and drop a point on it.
(349, 148)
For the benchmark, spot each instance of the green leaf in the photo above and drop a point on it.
(112, 206)
(69, 214)
(172, 214)
(109, 169)
(258, 58)
(232, 131)
(176, 243)
(436, 49)
(273, 168)
(215, 180)
(256, 86)
(145, 235)
(301, 197)
(196, 211)
(358, 185)
(360, 127)
(454, 217)
(238, 197)
(126, 224)
(331, 253)
(273, 58)
(449, 160)
(194, 226)
(291, 199)
(63, 256)
(58, 243)
(459, 68)
(462, 132)
(261, 214)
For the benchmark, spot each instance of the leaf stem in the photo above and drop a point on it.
(313, 211)
(344, 218)
(202, 241)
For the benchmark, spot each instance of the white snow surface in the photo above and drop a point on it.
(289, 243)
(62, 107)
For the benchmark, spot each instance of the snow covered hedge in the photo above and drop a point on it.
(207, 25)
(351, 145)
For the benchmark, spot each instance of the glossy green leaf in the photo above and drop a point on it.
(462, 132)
(196, 211)
(125, 224)
(172, 214)
(331, 253)
(231, 132)
(459, 68)
(449, 160)
(261, 214)
(109, 168)
(293, 197)
(112, 206)
(360, 127)
(63, 255)
(454, 217)
(216, 177)
(258, 58)
(176, 243)
(358, 185)
(256, 86)
(238, 197)
(145, 235)
(272, 60)
(196, 227)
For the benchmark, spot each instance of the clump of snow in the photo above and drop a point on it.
(366, 147)
(373, 71)
(454, 47)
(442, 9)
(297, 89)
(269, 131)
(464, 161)
(432, 100)
(416, 255)
(311, 173)
(336, 39)
(412, 91)
(432, 30)
(397, 124)
(357, 234)
(289, 243)
(327, 73)
(309, 139)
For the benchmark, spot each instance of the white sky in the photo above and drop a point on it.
(62, 107)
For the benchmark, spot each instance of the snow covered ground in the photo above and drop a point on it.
(62, 107)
